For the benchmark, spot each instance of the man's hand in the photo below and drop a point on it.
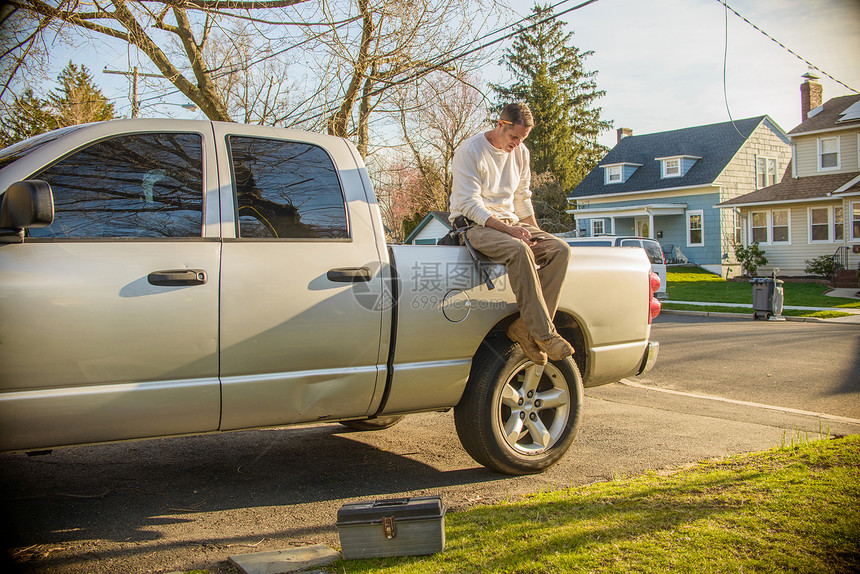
(513, 230)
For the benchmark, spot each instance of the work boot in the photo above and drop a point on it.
(518, 333)
(556, 348)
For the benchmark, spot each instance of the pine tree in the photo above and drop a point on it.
(549, 75)
(26, 117)
(78, 100)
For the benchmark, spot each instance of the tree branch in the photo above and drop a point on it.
(339, 121)
(229, 4)
(72, 18)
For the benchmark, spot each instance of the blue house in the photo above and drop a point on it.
(667, 185)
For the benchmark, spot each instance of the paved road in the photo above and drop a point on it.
(191, 502)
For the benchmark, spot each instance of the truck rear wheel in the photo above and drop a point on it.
(517, 417)
(377, 423)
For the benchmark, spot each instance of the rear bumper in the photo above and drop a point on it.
(650, 357)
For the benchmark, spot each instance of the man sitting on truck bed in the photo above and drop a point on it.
(491, 190)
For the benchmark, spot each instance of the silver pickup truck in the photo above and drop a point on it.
(168, 277)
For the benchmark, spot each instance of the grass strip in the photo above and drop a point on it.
(749, 311)
(791, 509)
(696, 284)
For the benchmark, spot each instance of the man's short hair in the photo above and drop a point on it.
(518, 114)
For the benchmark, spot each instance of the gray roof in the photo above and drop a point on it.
(829, 116)
(716, 144)
(791, 189)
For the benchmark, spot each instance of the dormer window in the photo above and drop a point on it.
(613, 174)
(672, 167)
(618, 172)
(676, 165)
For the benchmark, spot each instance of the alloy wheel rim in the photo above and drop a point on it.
(534, 407)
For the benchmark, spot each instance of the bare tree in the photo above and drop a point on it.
(403, 195)
(435, 118)
(229, 57)
(174, 34)
(254, 84)
(395, 43)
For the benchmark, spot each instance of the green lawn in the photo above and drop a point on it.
(695, 284)
(791, 509)
(748, 311)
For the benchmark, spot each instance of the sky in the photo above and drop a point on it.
(659, 61)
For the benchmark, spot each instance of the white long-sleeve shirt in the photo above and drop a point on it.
(491, 182)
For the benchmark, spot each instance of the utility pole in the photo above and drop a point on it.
(135, 105)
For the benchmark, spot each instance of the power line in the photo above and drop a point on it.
(431, 67)
(237, 67)
(428, 64)
(725, 91)
(784, 47)
(433, 64)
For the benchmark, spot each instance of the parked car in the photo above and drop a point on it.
(651, 246)
(171, 277)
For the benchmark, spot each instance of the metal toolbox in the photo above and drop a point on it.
(392, 527)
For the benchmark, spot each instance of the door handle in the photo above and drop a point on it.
(349, 274)
(177, 277)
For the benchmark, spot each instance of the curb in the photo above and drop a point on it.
(744, 315)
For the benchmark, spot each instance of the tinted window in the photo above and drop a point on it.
(652, 248)
(595, 243)
(143, 185)
(286, 190)
(654, 251)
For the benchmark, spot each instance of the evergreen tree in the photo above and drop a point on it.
(550, 202)
(549, 75)
(26, 117)
(78, 100)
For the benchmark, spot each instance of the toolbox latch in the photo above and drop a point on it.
(388, 527)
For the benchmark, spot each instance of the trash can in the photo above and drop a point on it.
(767, 297)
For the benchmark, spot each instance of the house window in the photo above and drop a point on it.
(838, 224)
(672, 167)
(596, 227)
(736, 223)
(771, 226)
(613, 174)
(779, 227)
(828, 153)
(819, 224)
(765, 168)
(695, 229)
(855, 221)
(759, 227)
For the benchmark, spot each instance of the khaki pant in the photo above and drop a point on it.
(537, 290)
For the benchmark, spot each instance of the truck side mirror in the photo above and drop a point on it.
(26, 204)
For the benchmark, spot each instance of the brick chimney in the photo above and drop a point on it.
(810, 95)
(623, 133)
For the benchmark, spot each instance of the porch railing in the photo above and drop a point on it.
(841, 256)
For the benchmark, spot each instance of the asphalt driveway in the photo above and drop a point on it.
(721, 386)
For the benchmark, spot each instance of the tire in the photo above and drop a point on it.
(378, 423)
(540, 406)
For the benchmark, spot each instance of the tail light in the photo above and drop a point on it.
(654, 305)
